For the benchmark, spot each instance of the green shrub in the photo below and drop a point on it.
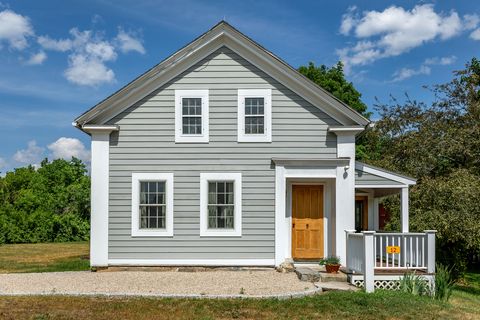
(444, 282)
(414, 284)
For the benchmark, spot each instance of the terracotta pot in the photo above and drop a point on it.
(332, 268)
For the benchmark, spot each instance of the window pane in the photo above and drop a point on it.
(254, 125)
(254, 106)
(152, 205)
(192, 125)
(191, 106)
(221, 205)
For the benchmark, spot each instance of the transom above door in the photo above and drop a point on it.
(307, 222)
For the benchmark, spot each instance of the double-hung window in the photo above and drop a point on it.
(220, 204)
(191, 116)
(254, 115)
(152, 204)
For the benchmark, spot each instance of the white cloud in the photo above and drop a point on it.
(15, 29)
(48, 43)
(66, 148)
(88, 71)
(32, 155)
(37, 58)
(86, 63)
(349, 20)
(128, 42)
(475, 35)
(89, 54)
(406, 73)
(471, 21)
(443, 61)
(3, 163)
(394, 31)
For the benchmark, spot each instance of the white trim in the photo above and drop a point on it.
(346, 129)
(283, 221)
(380, 186)
(220, 176)
(138, 177)
(191, 138)
(381, 173)
(192, 262)
(266, 94)
(99, 195)
(92, 128)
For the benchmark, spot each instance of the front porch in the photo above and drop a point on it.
(380, 260)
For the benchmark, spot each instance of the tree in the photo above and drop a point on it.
(333, 80)
(439, 144)
(48, 204)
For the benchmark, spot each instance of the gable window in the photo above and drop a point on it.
(191, 116)
(255, 115)
(152, 204)
(220, 204)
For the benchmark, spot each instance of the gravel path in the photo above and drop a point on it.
(170, 283)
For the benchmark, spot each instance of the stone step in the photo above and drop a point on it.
(336, 286)
(317, 274)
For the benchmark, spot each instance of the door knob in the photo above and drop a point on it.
(293, 226)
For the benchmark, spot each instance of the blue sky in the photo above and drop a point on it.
(59, 58)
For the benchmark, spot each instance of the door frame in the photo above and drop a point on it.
(326, 209)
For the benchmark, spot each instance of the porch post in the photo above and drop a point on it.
(404, 210)
(376, 217)
(344, 194)
(368, 261)
(430, 250)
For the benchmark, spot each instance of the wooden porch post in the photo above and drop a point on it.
(368, 261)
(404, 210)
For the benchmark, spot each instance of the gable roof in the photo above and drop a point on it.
(222, 34)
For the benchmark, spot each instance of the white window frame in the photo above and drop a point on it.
(138, 177)
(221, 176)
(189, 138)
(266, 94)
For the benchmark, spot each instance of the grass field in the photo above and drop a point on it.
(464, 303)
(44, 257)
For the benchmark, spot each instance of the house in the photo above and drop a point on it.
(224, 155)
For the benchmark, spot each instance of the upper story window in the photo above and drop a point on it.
(152, 204)
(255, 115)
(221, 204)
(191, 116)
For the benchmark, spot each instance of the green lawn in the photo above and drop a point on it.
(44, 257)
(464, 303)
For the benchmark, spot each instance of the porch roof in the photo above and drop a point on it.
(368, 176)
(382, 182)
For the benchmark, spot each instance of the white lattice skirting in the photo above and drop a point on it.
(380, 284)
(387, 284)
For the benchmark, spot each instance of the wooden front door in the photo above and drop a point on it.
(307, 222)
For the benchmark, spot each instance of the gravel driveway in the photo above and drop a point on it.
(168, 283)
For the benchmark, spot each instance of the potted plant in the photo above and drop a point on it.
(332, 264)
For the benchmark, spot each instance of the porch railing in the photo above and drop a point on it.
(369, 251)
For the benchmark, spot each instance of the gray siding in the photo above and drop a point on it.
(364, 178)
(145, 143)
